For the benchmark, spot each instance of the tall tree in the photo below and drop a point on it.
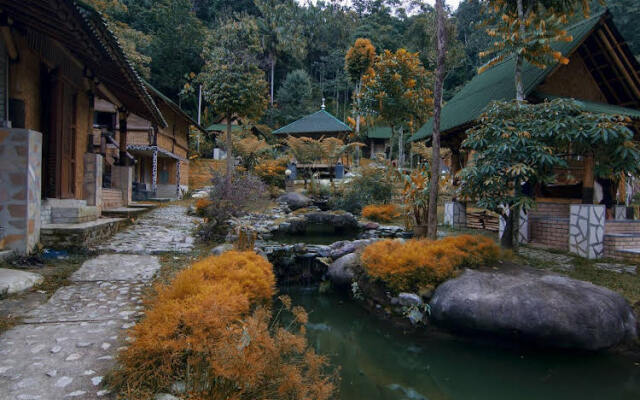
(397, 89)
(231, 79)
(441, 42)
(358, 60)
(294, 96)
(280, 33)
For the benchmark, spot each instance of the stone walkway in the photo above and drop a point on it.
(165, 229)
(64, 348)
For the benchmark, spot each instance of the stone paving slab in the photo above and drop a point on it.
(98, 301)
(58, 361)
(14, 281)
(165, 229)
(117, 267)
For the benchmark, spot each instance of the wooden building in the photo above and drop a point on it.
(603, 77)
(161, 166)
(56, 58)
(379, 141)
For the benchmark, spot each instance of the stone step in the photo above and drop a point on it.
(124, 212)
(80, 235)
(74, 214)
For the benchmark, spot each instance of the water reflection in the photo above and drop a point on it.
(379, 362)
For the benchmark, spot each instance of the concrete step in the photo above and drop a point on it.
(124, 212)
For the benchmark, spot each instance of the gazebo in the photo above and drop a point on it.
(316, 125)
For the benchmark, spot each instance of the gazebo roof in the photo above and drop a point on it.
(497, 83)
(318, 122)
(379, 132)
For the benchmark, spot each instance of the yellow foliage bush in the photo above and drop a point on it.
(381, 213)
(417, 264)
(212, 328)
(272, 172)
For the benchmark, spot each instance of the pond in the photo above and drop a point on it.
(378, 362)
(315, 234)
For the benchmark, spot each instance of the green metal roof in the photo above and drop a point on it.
(318, 122)
(594, 107)
(223, 128)
(379, 132)
(497, 83)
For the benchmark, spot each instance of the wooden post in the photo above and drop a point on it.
(154, 171)
(122, 116)
(588, 179)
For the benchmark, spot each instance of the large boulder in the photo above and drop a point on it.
(295, 200)
(341, 271)
(547, 310)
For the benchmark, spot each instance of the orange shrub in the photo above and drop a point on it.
(417, 264)
(212, 328)
(201, 206)
(272, 172)
(381, 213)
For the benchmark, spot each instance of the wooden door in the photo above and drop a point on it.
(67, 143)
(60, 174)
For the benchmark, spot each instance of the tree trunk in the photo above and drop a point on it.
(506, 240)
(432, 224)
(272, 58)
(588, 180)
(229, 148)
(401, 148)
(518, 72)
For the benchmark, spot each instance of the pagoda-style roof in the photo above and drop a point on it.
(596, 41)
(379, 132)
(318, 123)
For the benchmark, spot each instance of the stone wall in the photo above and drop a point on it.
(93, 179)
(122, 179)
(550, 232)
(586, 230)
(20, 184)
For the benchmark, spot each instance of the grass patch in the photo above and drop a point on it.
(8, 322)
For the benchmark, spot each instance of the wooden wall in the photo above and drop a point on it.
(573, 80)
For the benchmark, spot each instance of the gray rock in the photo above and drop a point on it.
(548, 310)
(295, 200)
(165, 396)
(341, 271)
(223, 248)
(342, 248)
(409, 299)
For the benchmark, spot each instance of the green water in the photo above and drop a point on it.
(378, 362)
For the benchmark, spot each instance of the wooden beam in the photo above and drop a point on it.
(113, 99)
(9, 43)
(618, 63)
(624, 56)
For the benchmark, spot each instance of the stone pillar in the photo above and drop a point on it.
(523, 228)
(154, 171)
(93, 179)
(122, 179)
(178, 164)
(20, 184)
(455, 214)
(620, 212)
(586, 230)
